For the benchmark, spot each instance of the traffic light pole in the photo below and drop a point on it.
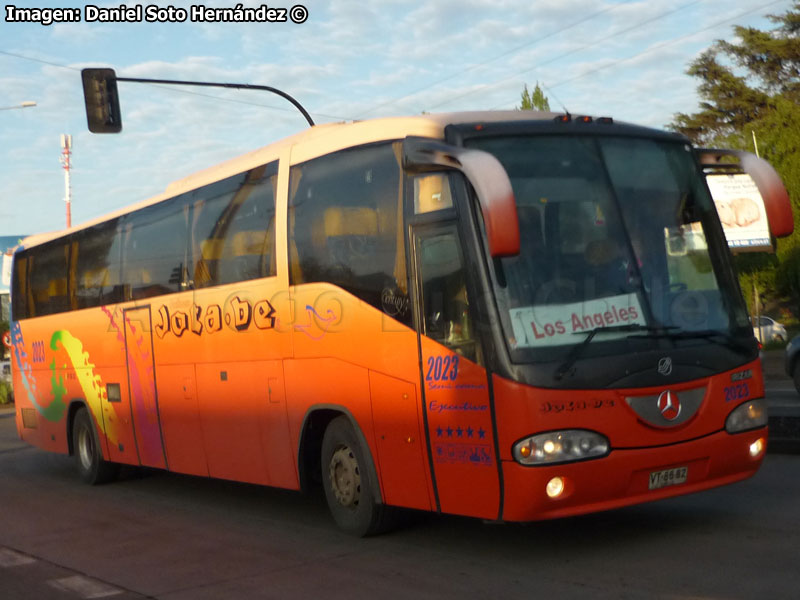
(238, 86)
(102, 99)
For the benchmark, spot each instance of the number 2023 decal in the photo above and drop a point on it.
(738, 391)
(442, 368)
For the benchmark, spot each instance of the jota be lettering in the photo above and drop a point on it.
(239, 316)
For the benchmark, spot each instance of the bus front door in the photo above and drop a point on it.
(457, 404)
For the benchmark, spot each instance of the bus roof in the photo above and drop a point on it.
(311, 143)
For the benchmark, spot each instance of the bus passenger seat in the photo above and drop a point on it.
(350, 234)
(57, 292)
(247, 243)
(246, 250)
(96, 278)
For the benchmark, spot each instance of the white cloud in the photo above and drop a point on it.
(79, 34)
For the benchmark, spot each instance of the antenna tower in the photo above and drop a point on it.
(66, 153)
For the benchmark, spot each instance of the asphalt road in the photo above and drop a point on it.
(172, 537)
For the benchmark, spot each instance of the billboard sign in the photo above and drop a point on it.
(741, 210)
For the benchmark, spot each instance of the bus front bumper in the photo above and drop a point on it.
(630, 476)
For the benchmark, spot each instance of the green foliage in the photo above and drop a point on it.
(778, 137)
(772, 57)
(729, 104)
(757, 272)
(787, 277)
(770, 64)
(535, 100)
(759, 104)
(6, 395)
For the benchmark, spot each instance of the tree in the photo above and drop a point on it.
(773, 57)
(731, 102)
(750, 91)
(535, 100)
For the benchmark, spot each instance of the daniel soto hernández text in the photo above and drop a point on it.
(153, 13)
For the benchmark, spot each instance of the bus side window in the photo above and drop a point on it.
(21, 299)
(48, 280)
(346, 226)
(445, 302)
(249, 250)
(154, 254)
(96, 264)
(233, 228)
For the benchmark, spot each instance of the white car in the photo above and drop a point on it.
(768, 330)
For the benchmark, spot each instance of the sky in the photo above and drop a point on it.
(346, 60)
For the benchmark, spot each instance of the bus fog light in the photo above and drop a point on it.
(750, 415)
(757, 447)
(560, 446)
(555, 487)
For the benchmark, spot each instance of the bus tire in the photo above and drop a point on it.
(92, 467)
(347, 480)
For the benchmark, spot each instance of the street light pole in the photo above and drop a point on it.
(26, 104)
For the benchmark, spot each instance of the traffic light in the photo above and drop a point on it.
(102, 100)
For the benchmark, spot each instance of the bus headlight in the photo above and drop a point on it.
(560, 446)
(750, 415)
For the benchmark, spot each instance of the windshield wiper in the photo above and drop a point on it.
(575, 353)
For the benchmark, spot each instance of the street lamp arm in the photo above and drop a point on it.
(26, 104)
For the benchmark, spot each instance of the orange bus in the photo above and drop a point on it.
(507, 315)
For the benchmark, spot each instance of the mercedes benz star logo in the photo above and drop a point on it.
(669, 405)
(665, 365)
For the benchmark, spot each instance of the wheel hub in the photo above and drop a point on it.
(85, 448)
(345, 477)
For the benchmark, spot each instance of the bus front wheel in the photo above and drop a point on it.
(348, 482)
(92, 467)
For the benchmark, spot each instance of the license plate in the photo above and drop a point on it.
(660, 479)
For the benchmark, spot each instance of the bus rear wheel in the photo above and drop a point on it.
(92, 467)
(348, 482)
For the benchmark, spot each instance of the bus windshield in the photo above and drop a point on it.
(619, 240)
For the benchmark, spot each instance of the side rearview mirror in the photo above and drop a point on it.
(776, 199)
(486, 175)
